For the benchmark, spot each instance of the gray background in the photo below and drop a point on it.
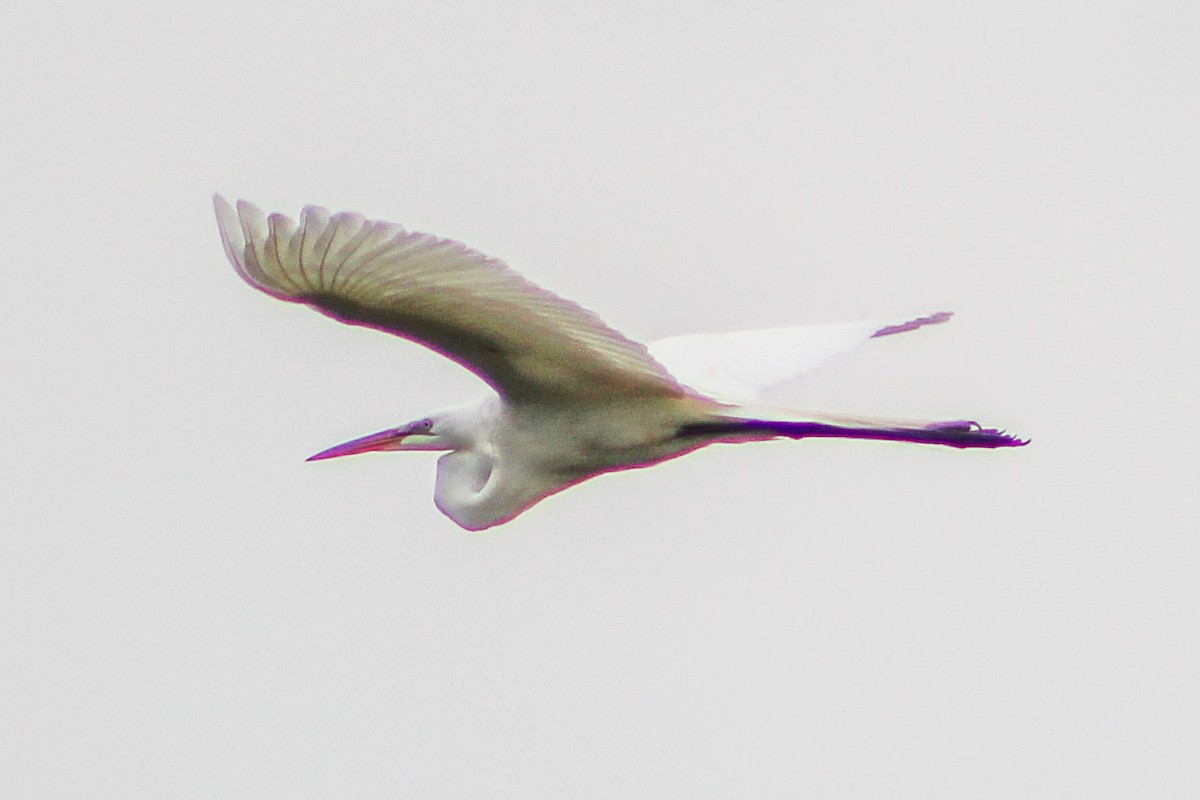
(187, 609)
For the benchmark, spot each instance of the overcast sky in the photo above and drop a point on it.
(188, 609)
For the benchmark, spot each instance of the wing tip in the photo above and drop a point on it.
(937, 318)
(244, 231)
(232, 236)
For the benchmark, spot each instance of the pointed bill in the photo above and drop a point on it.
(384, 440)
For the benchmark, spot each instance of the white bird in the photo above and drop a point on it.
(573, 397)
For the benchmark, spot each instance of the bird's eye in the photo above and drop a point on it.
(426, 424)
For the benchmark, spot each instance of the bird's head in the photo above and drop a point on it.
(435, 432)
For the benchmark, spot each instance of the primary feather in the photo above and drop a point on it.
(524, 341)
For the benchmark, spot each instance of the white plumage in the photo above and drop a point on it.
(574, 397)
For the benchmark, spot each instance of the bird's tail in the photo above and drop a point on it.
(958, 433)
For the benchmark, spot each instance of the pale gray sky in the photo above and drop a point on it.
(190, 610)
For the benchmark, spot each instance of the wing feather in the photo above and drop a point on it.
(737, 367)
(525, 342)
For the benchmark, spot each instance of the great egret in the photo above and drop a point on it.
(574, 398)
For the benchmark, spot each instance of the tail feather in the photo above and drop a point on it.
(959, 433)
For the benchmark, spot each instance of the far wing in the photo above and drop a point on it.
(738, 367)
(527, 343)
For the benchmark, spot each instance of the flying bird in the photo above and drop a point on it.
(573, 397)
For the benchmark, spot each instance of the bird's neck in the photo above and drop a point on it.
(464, 488)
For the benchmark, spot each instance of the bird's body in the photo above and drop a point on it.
(519, 453)
(574, 398)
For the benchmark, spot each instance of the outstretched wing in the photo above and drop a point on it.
(525, 342)
(737, 367)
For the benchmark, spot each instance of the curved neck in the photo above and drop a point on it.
(465, 484)
(478, 489)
